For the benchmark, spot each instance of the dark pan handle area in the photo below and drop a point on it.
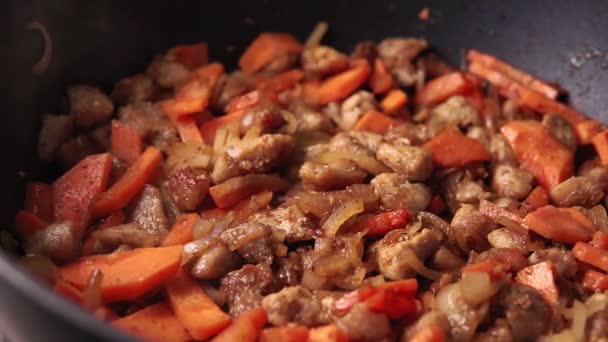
(98, 42)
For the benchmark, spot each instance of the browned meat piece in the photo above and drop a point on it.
(244, 288)
(395, 192)
(456, 112)
(215, 262)
(407, 134)
(561, 129)
(361, 324)
(134, 89)
(310, 119)
(498, 332)
(366, 50)
(253, 156)
(500, 149)
(398, 53)
(59, 241)
(461, 187)
(563, 260)
(415, 163)
(323, 60)
(596, 327)
(507, 238)
(435, 65)
(131, 234)
(252, 240)
(446, 260)
(354, 107)
(56, 129)
(295, 304)
(265, 115)
(89, 105)
(348, 142)
(193, 155)
(288, 220)
(526, 311)
(511, 181)
(102, 136)
(577, 191)
(470, 229)
(431, 318)
(598, 216)
(151, 123)
(289, 269)
(369, 140)
(479, 133)
(188, 187)
(149, 211)
(167, 73)
(233, 85)
(333, 176)
(75, 149)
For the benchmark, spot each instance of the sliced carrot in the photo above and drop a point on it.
(600, 142)
(443, 87)
(382, 223)
(127, 145)
(476, 98)
(127, 275)
(600, 240)
(591, 255)
(560, 224)
(393, 102)
(190, 303)
(586, 130)
(437, 206)
(405, 287)
(248, 100)
(595, 281)
(69, 291)
(294, 333)
(192, 56)
(495, 268)
(541, 277)
(210, 72)
(376, 122)
(213, 213)
(381, 80)
(537, 198)
(181, 233)
(39, 200)
(154, 323)
(182, 106)
(267, 47)
(345, 83)
(209, 128)
(240, 188)
(129, 185)
(327, 333)
(245, 328)
(76, 190)
(514, 73)
(430, 333)
(539, 152)
(187, 129)
(27, 224)
(392, 303)
(281, 82)
(452, 149)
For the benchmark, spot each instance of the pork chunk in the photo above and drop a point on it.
(245, 288)
(56, 129)
(215, 262)
(188, 187)
(456, 111)
(89, 105)
(395, 191)
(415, 163)
(354, 107)
(332, 176)
(134, 89)
(149, 211)
(59, 241)
(288, 219)
(323, 60)
(295, 304)
(166, 72)
(471, 228)
(511, 181)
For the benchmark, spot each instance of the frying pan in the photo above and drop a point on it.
(103, 41)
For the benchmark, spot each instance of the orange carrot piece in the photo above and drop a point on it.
(591, 255)
(126, 142)
(539, 152)
(437, 206)
(127, 275)
(245, 328)
(494, 268)
(476, 98)
(600, 240)
(294, 333)
(393, 102)
(431, 333)
(537, 198)
(281, 82)
(129, 185)
(210, 72)
(327, 333)
(595, 281)
(586, 130)
(76, 190)
(405, 288)
(181, 233)
(513, 73)
(381, 80)
(560, 224)
(188, 132)
(39, 200)
(345, 83)
(209, 128)
(213, 213)
(600, 142)
(382, 223)
(190, 303)
(267, 47)
(240, 188)
(452, 149)
(443, 87)
(27, 224)
(182, 106)
(154, 323)
(376, 122)
(541, 277)
(192, 56)
(69, 291)
(245, 101)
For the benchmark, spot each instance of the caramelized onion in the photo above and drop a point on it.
(341, 215)
(350, 280)
(315, 37)
(47, 53)
(312, 280)
(195, 249)
(92, 292)
(412, 260)
(366, 162)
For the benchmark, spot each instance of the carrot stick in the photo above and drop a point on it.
(452, 149)
(209, 128)
(393, 102)
(345, 83)
(381, 80)
(245, 328)
(182, 106)
(39, 200)
(266, 48)
(69, 291)
(405, 287)
(476, 98)
(27, 224)
(586, 130)
(600, 142)
(600, 240)
(327, 333)
(237, 189)
(539, 152)
(210, 72)
(560, 224)
(181, 233)
(382, 223)
(130, 184)
(248, 100)
(126, 142)
(494, 268)
(431, 333)
(192, 56)
(513, 73)
(294, 333)
(154, 323)
(443, 87)
(595, 281)
(537, 198)
(541, 277)
(127, 275)
(76, 190)
(188, 132)
(591, 255)
(190, 303)
(376, 122)
(281, 82)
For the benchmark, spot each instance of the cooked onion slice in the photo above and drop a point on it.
(92, 292)
(47, 53)
(417, 265)
(315, 37)
(341, 215)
